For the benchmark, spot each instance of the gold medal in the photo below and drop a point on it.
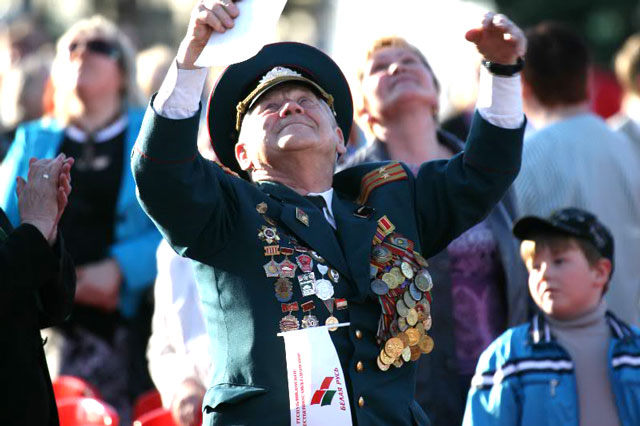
(331, 321)
(405, 339)
(390, 280)
(397, 273)
(426, 344)
(386, 359)
(381, 365)
(412, 317)
(393, 347)
(415, 353)
(413, 335)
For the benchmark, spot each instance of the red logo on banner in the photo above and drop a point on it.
(323, 396)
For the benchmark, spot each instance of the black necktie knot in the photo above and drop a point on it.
(316, 200)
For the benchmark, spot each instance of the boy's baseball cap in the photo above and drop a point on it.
(570, 221)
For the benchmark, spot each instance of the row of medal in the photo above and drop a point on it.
(284, 271)
(403, 285)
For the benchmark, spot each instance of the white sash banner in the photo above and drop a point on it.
(317, 389)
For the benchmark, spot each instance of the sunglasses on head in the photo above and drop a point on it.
(97, 46)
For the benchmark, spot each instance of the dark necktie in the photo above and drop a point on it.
(319, 202)
(316, 200)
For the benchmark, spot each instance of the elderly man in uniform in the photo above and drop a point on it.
(280, 244)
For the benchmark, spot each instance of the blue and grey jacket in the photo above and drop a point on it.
(136, 237)
(526, 378)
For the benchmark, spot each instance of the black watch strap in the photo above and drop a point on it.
(504, 70)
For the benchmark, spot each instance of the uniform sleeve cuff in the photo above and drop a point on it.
(179, 95)
(500, 99)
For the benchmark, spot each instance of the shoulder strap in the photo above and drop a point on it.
(388, 173)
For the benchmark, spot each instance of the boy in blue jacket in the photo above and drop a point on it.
(574, 363)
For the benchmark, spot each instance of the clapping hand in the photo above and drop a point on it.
(43, 197)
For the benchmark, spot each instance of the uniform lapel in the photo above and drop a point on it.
(356, 236)
(319, 235)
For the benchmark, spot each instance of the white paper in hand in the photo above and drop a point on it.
(253, 28)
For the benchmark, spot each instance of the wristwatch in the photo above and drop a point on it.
(504, 70)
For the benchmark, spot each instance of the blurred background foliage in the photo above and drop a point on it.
(605, 24)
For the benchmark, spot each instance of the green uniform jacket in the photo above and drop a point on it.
(211, 217)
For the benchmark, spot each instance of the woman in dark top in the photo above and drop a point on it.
(480, 283)
(37, 283)
(96, 119)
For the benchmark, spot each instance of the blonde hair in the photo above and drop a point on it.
(379, 44)
(393, 41)
(627, 64)
(102, 27)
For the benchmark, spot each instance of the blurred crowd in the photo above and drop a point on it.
(137, 327)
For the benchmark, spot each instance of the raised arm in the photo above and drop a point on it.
(453, 195)
(182, 192)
